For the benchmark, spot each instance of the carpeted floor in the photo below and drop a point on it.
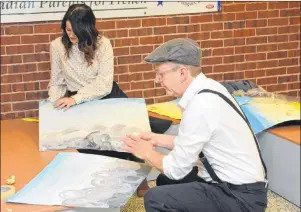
(275, 204)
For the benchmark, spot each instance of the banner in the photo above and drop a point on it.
(33, 11)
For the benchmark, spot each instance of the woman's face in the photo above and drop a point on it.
(70, 33)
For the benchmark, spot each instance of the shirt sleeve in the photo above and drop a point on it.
(195, 130)
(103, 82)
(57, 86)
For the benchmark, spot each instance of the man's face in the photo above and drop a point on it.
(169, 78)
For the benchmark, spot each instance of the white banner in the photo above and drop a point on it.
(32, 11)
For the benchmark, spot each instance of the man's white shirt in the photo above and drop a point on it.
(211, 125)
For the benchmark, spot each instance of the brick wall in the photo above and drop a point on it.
(247, 40)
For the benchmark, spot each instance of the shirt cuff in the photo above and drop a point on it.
(77, 98)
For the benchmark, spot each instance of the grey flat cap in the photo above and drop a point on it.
(180, 50)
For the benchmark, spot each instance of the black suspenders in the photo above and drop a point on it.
(202, 156)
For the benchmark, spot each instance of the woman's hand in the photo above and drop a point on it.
(64, 102)
(149, 136)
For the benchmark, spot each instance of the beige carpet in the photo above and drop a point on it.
(275, 204)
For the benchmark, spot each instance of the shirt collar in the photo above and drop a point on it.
(192, 89)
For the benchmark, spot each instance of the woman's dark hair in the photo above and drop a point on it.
(83, 21)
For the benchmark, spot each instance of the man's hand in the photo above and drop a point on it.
(139, 147)
(64, 102)
(149, 136)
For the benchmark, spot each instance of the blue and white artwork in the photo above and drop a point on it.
(84, 181)
(96, 125)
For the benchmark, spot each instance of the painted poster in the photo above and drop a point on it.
(96, 125)
(83, 180)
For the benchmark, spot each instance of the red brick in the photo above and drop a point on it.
(256, 56)
(211, 43)
(36, 76)
(201, 18)
(129, 59)
(293, 70)
(44, 66)
(170, 37)
(285, 79)
(141, 49)
(222, 34)
(235, 25)
(267, 64)
(254, 74)
(124, 86)
(134, 94)
(3, 69)
(277, 38)
(3, 52)
(295, 85)
(256, 23)
(273, 88)
(25, 105)
(153, 22)
(206, 53)
(244, 32)
(6, 88)
(217, 77)
(29, 86)
(256, 6)
(212, 60)
(224, 17)
(32, 113)
(207, 69)
(290, 45)
(234, 59)
(266, 31)
(234, 76)
(165, 99)
(43, 85)
(6, 108)
(165, 30)
(149, 101)
(234, 8)
(277, 5)
(245, 66)
(101, 25)
(47, 28)
(223, 68)
(15, 115)
(12, 97)
(11, 59)
(278, 21)
(266, 80)
(149, 75)
(20, 49)
(141, 32)
(235, 42)
(121, 51)
(142, 85)
(256, 40)
(18, 30)
(293, 4)
(290, 12)
(288, 29)
(294, 53)
(28, 39)
(288, 62)
(188, 28)
(245, 49)
(36, 95)
(121, 69)
(21, 68)
(140, 67)
(116, 33)
(128, 23)
(178, 20)
(2, 31)
(198, 36)
(294, 37)
(246, 15)
(275, 71)
(274, 55)
(151, 40)
(268, 14)
(36, 57)
(223, 51)
(54, 36)
(211, 27)
(9, 40)
(266, 47)
(126, 42)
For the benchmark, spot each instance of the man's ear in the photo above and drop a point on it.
(184, 72)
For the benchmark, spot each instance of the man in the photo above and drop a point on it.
(215, 162)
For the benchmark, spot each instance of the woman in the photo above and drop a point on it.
(82, 67)
(82, 61)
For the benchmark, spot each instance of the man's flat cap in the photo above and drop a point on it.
(180, 50)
